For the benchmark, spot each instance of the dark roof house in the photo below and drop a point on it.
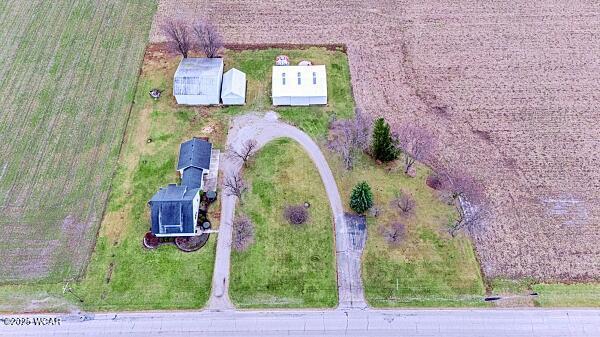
(194, 153)
(194, 162)
(192, 177)
(174, 210)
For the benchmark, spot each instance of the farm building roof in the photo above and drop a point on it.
(234, 83)
(198, 76)
(194, 153)
(299, 81)
(172, 210)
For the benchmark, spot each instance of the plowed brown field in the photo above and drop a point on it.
(521, 85)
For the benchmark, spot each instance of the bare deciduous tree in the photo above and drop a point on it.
(243, 233)
(394, 233)
(463, 186)
(249, 147)
(345, 145)
(416, 143)
(178, 36)
(405, 204)
(296, 214)
(469, 216)
(354, 136)
(234, 185)
(209, 39)
(361, 130)
(469, 199)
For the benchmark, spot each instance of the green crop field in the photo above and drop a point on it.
(68, 71)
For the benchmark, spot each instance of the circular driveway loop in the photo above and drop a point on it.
(264, 129)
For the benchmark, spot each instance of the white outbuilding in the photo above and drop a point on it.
(299, 85)
(198, 81)
(234, 87)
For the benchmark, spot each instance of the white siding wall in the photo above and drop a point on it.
(300, 101)
(318, 100)
(197, 99)
(281, 100)
(196, 204)
(204, 172)
(233, 100)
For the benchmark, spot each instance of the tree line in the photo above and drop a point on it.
(182, 37)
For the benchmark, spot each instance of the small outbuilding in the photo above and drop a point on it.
(174, 211)
(197, 81)
(233, 91)
(299, 85)
(194, 162)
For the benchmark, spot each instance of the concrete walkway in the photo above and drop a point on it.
(264, 129)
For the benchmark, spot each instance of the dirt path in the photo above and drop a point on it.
(264, 129)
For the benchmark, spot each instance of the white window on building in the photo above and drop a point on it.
(283, 78)
(299, 78)
(314, 77)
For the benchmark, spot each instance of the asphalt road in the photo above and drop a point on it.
(264, 129)
(447, 323)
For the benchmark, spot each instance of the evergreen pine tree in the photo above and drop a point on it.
(383, 147)
(361, 198)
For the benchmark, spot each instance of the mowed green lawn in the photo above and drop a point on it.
(67, 78)
(429, 267)
(122, 275)
(286, 266)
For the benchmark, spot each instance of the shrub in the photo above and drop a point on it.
(296, 214)
(393, 234)
(405, 204)
(434, 181)
(374, 211)
(243, 233)
(383, 146)
(361, 198)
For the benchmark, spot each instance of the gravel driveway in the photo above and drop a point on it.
(264, 129)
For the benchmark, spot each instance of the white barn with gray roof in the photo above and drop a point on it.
(299, 85)
(197, 81)
(234, 87)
